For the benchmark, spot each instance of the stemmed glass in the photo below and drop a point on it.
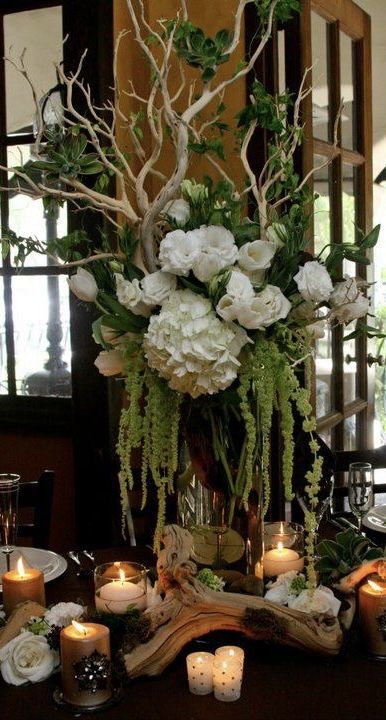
(9, 496)
(360, 489)
(323, 501)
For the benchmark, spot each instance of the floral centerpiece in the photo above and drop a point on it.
(207, 312)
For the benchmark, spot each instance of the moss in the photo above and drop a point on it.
(265, 624)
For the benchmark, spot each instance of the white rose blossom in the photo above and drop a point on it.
(110, 362)
(129, 294)
(314, 282)
(178, 252)
(321, 600)
(178, 210)
(83, 285)
(190, 347)
(217, 250)
(27, 658)
(63, 613)
(157, 286)
(266, 308)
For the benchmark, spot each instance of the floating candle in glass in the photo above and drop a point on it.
(119, 586)
(284, 548)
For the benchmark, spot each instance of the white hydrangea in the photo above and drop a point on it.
(190, 347)
(63, 613)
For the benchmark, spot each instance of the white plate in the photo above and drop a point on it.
(52, 564)
(375, 519)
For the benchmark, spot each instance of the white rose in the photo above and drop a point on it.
(351, 311)
(256, 255)
(63, 613)
(178, 210)
(129, 295)
(27, 658)
(217, 250)
(277, 304)
(322, 600)
(317, 329)
(314, 282)
(278, 590)
(157, 287)
(178, 252)
(83, 285)
(344, 292)
(109, 362)
(277, 235)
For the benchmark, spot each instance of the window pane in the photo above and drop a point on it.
(319, 77)
(322, 219)
(347, 90)
(322, 237)
(27, 217)
(3, 349)
(39, 33)
(349, 365)
(349, 213)
(42, 337)
(349, 433)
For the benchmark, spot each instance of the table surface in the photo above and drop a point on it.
(279, 683)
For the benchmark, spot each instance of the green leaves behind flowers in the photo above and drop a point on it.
(340, 556)
(118, 317)
(199, 51)
(356, 252)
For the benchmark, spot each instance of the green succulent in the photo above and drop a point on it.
(340, 556)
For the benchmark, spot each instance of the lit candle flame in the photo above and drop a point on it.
(20, 567)
(81, 629)
(122, 575)
(375, 586)
(231, 653)
(280, 546)
(281, 529)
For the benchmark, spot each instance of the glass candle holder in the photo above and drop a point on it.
(120, 586)
(9, 495)
(283, 548)
(200, 672)
(227, 678)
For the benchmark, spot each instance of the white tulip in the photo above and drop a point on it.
(277, 234)
(254, 315)
(83, 285)
(256, 255)
(110, 362)
(314, 282)
(157, 287)
(239, 286)
(27, 658)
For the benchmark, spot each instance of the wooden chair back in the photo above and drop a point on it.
(37, 495)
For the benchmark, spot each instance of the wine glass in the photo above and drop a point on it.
(323, 502)
(360, 489)
(9, 496)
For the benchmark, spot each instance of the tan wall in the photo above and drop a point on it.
(211, 16)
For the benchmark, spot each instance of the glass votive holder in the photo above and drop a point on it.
(230, 652)
(227, 678)
(283, 548)
(200, 672)
(119, 586)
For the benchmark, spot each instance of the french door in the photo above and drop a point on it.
(332, 38)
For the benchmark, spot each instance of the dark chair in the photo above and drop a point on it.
(36, 496)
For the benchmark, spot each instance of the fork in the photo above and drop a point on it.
(90, 555)
(74, 556)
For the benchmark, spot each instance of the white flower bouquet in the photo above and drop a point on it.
(206, 312)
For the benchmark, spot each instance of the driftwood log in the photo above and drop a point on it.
(18, 619)
(190, 609)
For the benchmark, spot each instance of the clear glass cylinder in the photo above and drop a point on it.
(120, 586)
(283, 548)
(9, 498)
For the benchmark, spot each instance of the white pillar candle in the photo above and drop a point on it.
(227, 678)
(200, 672)
(117, 595)
(230, 652)
(281, 560)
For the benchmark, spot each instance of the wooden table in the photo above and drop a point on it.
(279, 684)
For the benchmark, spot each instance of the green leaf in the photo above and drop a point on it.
(370, 240)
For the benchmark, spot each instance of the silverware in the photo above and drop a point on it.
(74, 556)
(90, 555)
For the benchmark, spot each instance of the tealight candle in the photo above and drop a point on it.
(80, 642)
(22, 584)
(227, 678)
(118, 593)
(230, 652)
(372, 616)
(281, 560)
(200, 672)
